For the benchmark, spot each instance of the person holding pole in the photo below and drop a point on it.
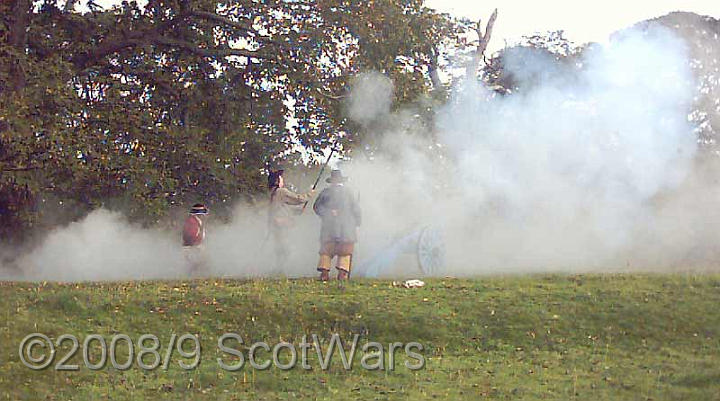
(341, 216)
(284, 205)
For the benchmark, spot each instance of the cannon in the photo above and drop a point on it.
(425, 244)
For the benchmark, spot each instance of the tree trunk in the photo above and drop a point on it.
(433, 71)
(70, 5)
(17, 38)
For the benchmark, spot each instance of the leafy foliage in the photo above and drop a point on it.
(177, 101)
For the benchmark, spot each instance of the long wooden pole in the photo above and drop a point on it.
(320, 175)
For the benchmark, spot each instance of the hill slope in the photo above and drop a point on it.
(538, 337)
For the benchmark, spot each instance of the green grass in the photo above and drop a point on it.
(590, 337)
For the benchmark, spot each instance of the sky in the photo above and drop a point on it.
(582, 21)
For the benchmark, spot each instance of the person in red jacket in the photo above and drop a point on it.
(193, 237)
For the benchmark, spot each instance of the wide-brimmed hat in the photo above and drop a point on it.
(199, 208)
(336, 177)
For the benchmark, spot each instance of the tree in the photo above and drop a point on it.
(145, 107)
(553, 48)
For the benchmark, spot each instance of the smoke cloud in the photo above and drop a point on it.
(103, 246)
(591, 167)
(370, 99)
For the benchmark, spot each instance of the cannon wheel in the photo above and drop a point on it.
(431, 251)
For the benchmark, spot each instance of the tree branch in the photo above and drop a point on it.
(109, 47)
(328, 95)
(231, 23)
(17, 169)
(221, 19)
(193, 48)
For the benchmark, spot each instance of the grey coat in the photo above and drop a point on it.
(342, 225)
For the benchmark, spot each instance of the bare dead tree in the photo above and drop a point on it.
(474, 64)
(483, 40)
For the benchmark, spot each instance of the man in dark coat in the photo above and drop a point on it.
(340, 213)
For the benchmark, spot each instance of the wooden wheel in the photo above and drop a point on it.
(431, 251)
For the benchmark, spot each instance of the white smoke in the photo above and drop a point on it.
(560, 176)
(370, 99)
(589, 168)
(104, 246)
(574, 165)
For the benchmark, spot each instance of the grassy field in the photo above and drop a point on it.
(594, 337)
